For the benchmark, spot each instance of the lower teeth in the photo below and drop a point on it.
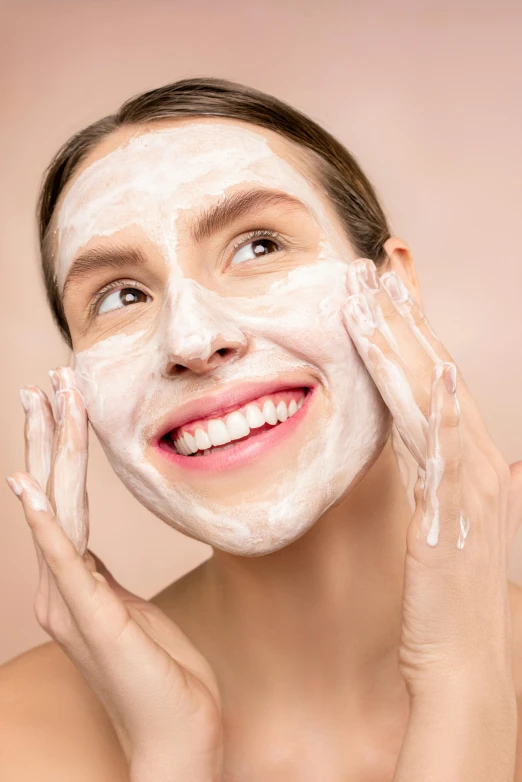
(213, 450)
(216, 448)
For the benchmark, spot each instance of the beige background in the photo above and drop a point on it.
(426, 94)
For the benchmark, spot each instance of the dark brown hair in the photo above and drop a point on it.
(338, 172)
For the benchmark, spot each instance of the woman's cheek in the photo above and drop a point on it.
(297, 326)
(114, 377)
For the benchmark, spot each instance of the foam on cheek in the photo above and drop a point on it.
(310, 335)
(296, 324)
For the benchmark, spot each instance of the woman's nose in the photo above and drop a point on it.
(221, 351)
(199, 336)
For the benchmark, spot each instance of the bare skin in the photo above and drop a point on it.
(303, 642)
(49, 706)
(353, 712)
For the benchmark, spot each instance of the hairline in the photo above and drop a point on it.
(305, 158)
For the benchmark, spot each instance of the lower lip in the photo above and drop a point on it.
(245, 451)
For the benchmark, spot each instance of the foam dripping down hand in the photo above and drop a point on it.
(468, 501)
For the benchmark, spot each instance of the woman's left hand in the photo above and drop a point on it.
(456, 613)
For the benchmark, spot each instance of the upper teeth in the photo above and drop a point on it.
(220, 431)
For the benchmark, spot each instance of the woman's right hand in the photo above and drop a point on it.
(158, 690)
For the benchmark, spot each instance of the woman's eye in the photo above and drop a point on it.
(122, 298)
(253, 250)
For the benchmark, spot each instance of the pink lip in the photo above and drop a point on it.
(244, 451)
(217, 404)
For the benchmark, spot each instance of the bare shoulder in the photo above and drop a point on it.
(52, 725)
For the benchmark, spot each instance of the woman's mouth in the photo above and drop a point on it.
(239, 434)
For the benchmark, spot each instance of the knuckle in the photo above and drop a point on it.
(381, 342)
(490, 485)
(453, 466)
(418, 493)
(391, 312)
(392, 318)
(504, 474)
(40, 611)
(126, 625)
(419, 317)
(59, 626)
(450, 418)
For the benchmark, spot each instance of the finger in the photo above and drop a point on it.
(38, 436)
(401, 391)
(417, 343)
(514, 502)
(387, 294)
(117, 635)
(67, 486)
(39, 433)
(48, 601)
(414, 528)
(75, 581)
(418, 490)
(442, 488)
(403, 323)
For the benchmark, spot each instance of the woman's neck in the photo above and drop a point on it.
(314, 626)
(325, 610)
(329, 602)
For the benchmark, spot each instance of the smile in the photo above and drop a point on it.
(238, 436)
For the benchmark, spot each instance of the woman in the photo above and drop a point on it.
(244, 333)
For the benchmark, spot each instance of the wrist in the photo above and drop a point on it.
(169, 766)
(474, 687)
(466, 733)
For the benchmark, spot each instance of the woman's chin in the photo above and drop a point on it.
(259, 493)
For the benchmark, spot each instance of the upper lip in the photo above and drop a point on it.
(231, 397)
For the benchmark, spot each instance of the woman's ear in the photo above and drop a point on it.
(400, 260)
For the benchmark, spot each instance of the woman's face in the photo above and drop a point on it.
(203, 274)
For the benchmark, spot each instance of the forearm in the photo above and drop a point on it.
(460, 738)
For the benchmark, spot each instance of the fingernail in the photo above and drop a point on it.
(367, 272)
(394, 286)
(450, 377)
(26, 398)
(55, 380)
(15, 486)
(361, 312)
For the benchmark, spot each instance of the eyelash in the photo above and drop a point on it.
(258, 233)
(111, 286)
(246, 239)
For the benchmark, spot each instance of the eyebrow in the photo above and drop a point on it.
(103, 258)
(233, 207)
(205, 224)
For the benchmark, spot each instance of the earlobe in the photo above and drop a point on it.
(400, 260)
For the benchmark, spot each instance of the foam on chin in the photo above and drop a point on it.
(131, 186)
(334, 451)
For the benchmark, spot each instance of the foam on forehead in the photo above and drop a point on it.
(151, 178)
